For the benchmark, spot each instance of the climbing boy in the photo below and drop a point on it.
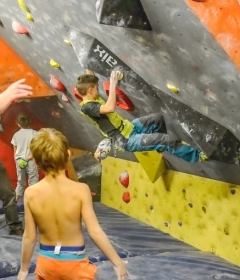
(56, 207)
(25, 165)
(143, 134)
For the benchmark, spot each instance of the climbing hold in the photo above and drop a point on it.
(146, 194)
(1, 24)
(151, 207)
(93, 193)
(120, 77)
(233, 191)
(64, 98)
(30, 17)
(77, 94)
(180, 224)
(122, 100)
(57, 84)
(68, 42)
(23, 6)
(126, 197)
(56, 114)
(204, 209)
(190, 204)
(173, 88)
(19, 28)
(124, 178)
(166, 224)
(209, 137)
(226, 231)
(54, 64)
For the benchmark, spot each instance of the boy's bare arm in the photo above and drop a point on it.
(94, 229)
(110, 105)
(30, 234)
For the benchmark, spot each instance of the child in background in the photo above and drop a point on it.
(25, 165)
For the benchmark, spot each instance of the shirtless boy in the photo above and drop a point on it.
(56, 205)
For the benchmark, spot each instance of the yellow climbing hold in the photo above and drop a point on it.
(30, 17)
(120, 77)
(54, 64)
(68, 42)
(23, 6)
(173, 88)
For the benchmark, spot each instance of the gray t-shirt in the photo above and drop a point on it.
(21, 139)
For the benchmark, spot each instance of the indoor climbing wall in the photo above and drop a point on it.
(172, 58)
(201, 212)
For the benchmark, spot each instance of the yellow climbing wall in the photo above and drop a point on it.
(201, 212)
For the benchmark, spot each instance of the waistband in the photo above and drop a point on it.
(63, 248)
(66, 253)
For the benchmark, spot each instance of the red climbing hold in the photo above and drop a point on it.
(77, 94)
(122, 100)
(57, 84)
(17, 27)
(124, 178)
(56, 114)
(126, 197)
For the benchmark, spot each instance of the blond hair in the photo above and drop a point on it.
(49, 148)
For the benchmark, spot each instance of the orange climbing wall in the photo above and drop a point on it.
(222, 18)
(13, 68)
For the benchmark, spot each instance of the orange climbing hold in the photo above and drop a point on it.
(17, 27)
(126, 197)
(57, 84)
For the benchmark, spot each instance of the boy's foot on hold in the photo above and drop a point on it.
(16, 231)
(202, 157)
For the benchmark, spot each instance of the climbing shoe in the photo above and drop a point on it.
(202, 157)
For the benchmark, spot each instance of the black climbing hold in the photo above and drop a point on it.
(204, 209)
(166, 224)
(146, 194)
(190, 204)
(151, 207)
(1, 24)
(233, 191)
(183, 191)
(180, 224)
(123, 13)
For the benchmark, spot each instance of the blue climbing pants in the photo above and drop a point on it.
(150, 133)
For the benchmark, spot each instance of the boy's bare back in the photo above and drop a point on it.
(56, 208)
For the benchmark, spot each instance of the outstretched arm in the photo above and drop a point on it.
(14, 91)
(29, 238)
(110, 105)
(99, 237)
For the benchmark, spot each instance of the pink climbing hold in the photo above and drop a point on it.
(17, 27)
(64, 98)
(57, 84)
